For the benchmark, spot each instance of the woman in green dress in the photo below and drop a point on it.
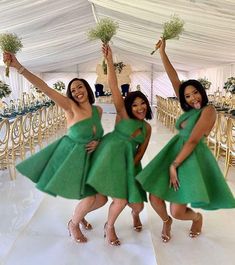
(61, 167)
(117, 159)
(185, 171)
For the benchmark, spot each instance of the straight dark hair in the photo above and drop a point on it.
(198, 86)
(129, 99)
(90, 93)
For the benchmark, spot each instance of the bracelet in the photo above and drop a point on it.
(175, 164)
(21, 69)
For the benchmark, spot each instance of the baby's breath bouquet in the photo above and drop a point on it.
(172, 29)
(59, 86)
(10, 42)
(229, 85)
(105, 29)
(205, 82)
(4, 90)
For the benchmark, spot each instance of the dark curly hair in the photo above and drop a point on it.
(129, 99)
(191, 82)
(90, 93)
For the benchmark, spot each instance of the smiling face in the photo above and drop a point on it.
(193, 97)
(139, 108)
(79, 91)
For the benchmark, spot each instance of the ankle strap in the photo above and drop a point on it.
(168, 218)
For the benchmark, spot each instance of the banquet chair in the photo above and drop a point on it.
(213, 137)
(222, 147)
(27, 133)
(230, 161)
(5, 160)
(36, 129)
(43, 122)
(99, 90)
(56, 118)
(62, 124)
(16, 139)
(125, 89)
(50, 128)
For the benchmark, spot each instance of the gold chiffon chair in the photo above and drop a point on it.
(50, 128)
(223, 144)
(36, 129)
(16, 139)
(43, 117)
(5, 159)
(230, 161)
(213, 137)
(27, 133)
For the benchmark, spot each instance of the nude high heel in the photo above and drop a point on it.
(115, 242)
(167, 236)
(196, 227)
(75, 232)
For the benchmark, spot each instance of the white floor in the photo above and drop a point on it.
(33, 228)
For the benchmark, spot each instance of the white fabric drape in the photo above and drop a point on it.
(54, 35)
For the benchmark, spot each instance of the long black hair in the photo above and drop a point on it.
(198, 86)
(129, 99)
(90, 93)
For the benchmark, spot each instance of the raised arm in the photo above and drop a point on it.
(61, 100)
(170, 70)
(113, 84)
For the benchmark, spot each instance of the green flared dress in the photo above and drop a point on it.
(113, 171)
(61, 167)
(201, 181)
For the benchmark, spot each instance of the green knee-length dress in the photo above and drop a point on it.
(201, 182)
(113, 171)
(61, 167)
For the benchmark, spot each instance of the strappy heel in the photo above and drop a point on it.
(116, 241)
(166, 236)
(136, 219)
(196, 226)
(86, 225)
(75, 232)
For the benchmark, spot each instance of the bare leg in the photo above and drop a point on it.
(136, 209)
(159, 206)
(80, 211)
(182, 212)
(100, 200)
(115, 209)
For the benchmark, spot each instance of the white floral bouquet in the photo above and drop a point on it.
(172, 29)
(105, 29)
(35, 89)
(229, 85)
(10, 42)
(59, 86)
(4, 90)
(119, 66)
(205, 82)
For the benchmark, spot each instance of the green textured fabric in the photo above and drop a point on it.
(201, 182)
(61, 167)
(113, 170)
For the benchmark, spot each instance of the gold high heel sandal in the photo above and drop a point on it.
(136, 219)
(85, 224)
(166, 236)
(75, 232)
(115, 242)
(196, 227)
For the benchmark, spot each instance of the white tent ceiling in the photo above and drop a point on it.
(54, 33)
